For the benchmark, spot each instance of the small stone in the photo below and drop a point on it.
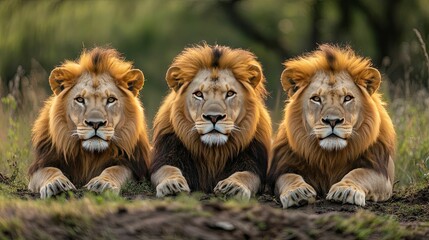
(223, 225)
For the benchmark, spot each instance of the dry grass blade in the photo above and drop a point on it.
(423, 45)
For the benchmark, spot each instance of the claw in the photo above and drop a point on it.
(346, 193)
(298, 196)
(172, 187)
(230, 188)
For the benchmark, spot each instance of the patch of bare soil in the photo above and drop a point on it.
(211, 221)
(217, 220)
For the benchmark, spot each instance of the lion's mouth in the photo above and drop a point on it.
(95, 144)
(331, 136)
(96, 137)
(333, 142)
(214, 131)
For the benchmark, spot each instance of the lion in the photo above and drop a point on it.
(92, 131)
(212, 132)
(336, 139)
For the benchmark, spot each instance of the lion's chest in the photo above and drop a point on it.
(85, 167)
(322, 177)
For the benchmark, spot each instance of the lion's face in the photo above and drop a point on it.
(215, 106)
(94, 108)
(331, 106)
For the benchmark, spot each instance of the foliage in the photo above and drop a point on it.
(15, 152)
(411, 118)
(364, 224)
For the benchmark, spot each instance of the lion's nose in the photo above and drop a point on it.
(95, 124)
(214, 118)
(332, 121)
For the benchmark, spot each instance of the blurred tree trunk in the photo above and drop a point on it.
(231, 9)
(316, 22)
(387, 31)
(386, 28)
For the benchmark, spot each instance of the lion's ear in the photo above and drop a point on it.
(173, 79)
(289, 81)
(58, 78)
(256, 75)
(135, 80)
(370, 78)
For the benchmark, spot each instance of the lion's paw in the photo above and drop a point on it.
(231, 188)
(172, 186)
(56, 186)
(304, 194)
(99, 185)
(346, 193)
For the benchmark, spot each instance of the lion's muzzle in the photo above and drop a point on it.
(332, 121)
(214, 129)
(214, 118)
(95, 124)
(332, 133)
(95, 134)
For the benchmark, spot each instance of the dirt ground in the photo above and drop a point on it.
(402, 217)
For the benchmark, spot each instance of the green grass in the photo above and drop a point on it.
(364, 224)
(15, 150)
(411, 120)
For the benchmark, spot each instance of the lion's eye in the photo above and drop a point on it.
(198, 94)
(316, 99)
(111, 100)
(348, 98)
(80, 100)
(230, 94)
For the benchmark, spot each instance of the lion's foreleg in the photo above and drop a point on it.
(111, 178)
(49, 181)
(363, 184)
(242, 185)
(247, 173)
(169, 180)
(294, 191)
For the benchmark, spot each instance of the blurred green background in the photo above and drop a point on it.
(39, 35)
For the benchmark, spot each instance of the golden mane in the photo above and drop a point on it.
(327, 58)
(293, 140)
(215, 58)
(171, 116)
(96, 61)
(52, 136)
